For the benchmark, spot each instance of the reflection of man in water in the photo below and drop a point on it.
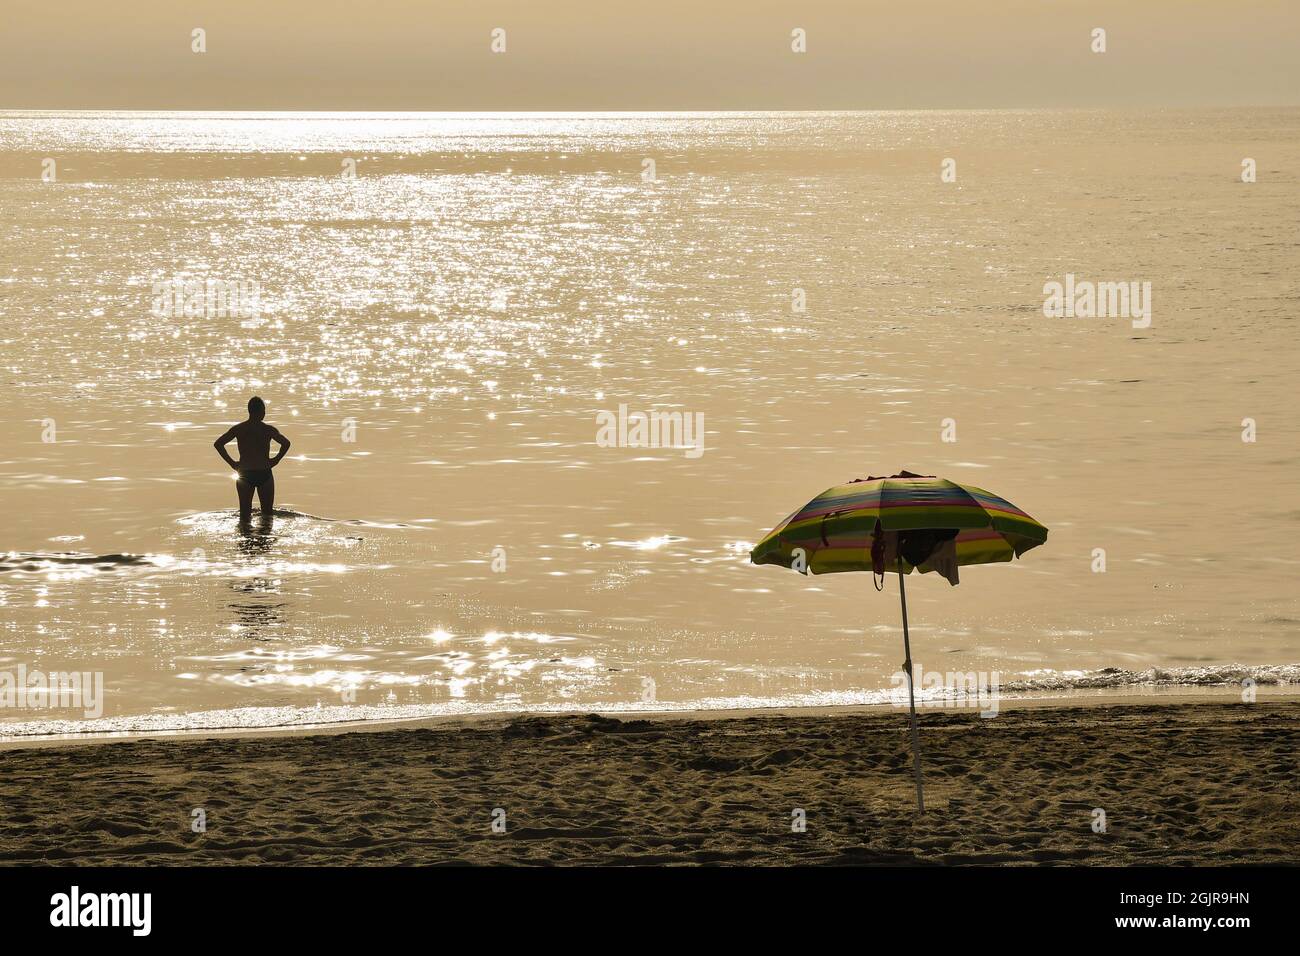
(255, 462)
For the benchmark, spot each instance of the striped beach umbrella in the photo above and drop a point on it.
(900, 523)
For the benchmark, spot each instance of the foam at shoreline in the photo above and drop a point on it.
(1054, 688)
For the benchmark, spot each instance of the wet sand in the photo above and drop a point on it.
(1180, 783)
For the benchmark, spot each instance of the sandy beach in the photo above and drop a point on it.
(1180, 783)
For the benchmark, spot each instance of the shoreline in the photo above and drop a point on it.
(1056, 700)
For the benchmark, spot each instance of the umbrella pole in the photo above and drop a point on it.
(911, 697)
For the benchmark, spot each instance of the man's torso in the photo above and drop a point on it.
(254, 440)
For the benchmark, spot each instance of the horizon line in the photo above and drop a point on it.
(644, 112)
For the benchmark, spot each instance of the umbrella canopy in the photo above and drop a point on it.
(834, 531)
(898, 523)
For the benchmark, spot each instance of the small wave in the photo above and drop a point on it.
(274, 718)
(288, 514)
(206, 517)
(36, 561)
(1212, 675)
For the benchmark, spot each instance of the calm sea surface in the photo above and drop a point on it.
(438, 335)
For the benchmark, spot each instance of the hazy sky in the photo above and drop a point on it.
(656, 54)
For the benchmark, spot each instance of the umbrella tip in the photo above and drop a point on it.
(902, 474)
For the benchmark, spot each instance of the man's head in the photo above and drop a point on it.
(256, 409)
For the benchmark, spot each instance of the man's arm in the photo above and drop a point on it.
(220, 446)
(283, 443)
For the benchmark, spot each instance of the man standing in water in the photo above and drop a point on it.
(255, 462)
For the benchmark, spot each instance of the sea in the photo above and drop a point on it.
(440, 311)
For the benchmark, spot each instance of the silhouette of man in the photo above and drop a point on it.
(255, 462)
